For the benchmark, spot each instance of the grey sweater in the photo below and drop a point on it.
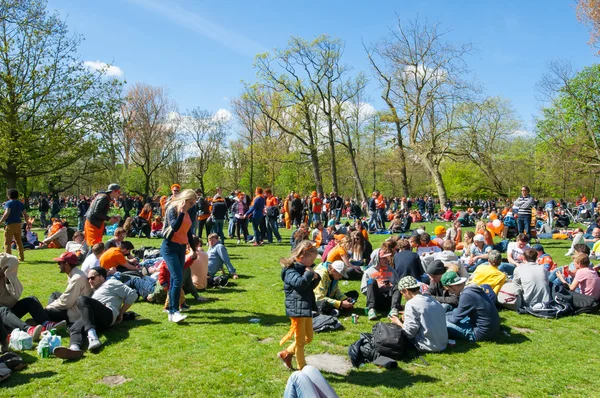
(425, 322)
(532, 278)
(113, 294)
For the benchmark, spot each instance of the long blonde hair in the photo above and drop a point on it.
(303, 248)
(184, 195)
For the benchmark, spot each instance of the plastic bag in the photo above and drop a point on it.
(20, 340)
(48, 343)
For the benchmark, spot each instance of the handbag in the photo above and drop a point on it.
(167, 231)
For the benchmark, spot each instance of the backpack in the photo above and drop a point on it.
(388, 340)
(579, 302)
(510, 297)
(550, 310)
(326, 323)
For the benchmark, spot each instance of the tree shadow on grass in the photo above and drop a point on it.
(394, 378)
(22, 377)
(120, 332)
(42, 262)
(225, 290)
(265, 319)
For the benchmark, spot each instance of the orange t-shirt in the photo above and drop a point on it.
(380, 202)
(272, 201)
(180, 236)
(365, 234)
(112, 258)
(146, 215)
(336, 254)
(317, 204)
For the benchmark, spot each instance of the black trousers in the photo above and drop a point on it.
(94, 315)
(56, 315)
(383, 300)
(11, 317)
(241, 224)
(202, 224)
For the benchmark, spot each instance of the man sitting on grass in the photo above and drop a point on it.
(532, 278)
(328, 290)
(489, 274)
(217, 257)
(63, 306)
(110, 300)
(115, 259)
(423, 319)
(476, 317)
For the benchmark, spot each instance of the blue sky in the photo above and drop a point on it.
(202, 50)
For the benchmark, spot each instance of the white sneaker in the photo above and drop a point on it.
(176, 317)
(94, 344)
(238, 242)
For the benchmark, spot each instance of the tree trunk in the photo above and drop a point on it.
(434, 169)
(251, 157)
(402, 161)
(334, 180)
(11, 175)
(314, 158)
(357, 180)
(201, 180)
(147, 187)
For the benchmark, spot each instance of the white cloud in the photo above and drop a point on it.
(224, 115)
(109, 70)
(425, 72)
(523, 133)
(238, 42)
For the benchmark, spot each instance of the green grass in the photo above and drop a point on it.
(219, 353)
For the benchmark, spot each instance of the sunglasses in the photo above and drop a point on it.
(91, 278)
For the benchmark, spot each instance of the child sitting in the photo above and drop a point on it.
(586, 279)
(577, 239)
(76, 245)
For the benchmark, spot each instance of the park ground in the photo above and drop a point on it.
(217, 352)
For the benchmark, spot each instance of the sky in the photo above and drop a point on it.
(203, 50)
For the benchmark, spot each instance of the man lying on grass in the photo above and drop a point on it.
(105, 308)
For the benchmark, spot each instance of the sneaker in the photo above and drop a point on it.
(94, 344)
(238, 242)
(372, 314)
(256, 244)
(201, 299)
(62, 325)
(35, 332)
(150, 298)
(286, 358)
(165, 310)
(278, 240)
(176, 317)
(67, 353)
(184, 307)
(335, 313)
(393, 312)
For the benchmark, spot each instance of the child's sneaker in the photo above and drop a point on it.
(372, 315)
(35, 332)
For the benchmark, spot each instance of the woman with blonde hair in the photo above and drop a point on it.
(177, 233)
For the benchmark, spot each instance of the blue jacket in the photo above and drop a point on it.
(258, 207)
(298, 286)
(475, 304)
(175, 219)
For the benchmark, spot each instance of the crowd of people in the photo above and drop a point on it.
(434, 287)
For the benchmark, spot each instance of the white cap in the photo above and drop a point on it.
(340, 267)
(478, 238)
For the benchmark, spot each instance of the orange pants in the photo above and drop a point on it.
(181, 299)
(302, 330)
(14, 231)
(92, 233)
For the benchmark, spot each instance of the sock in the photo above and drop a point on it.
(92, 334)
(74, 347)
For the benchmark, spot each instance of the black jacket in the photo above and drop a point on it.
(219, 209)
(298, 287)
(441, 295)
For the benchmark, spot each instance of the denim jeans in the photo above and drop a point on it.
(308, 383)
(144, 286)
(463, 330)
(218, 229)
(338, 214)
(381, 214)
(272, 229)
(174, 255)
(524, 224)
(256, 220)
(316, 217)
(80, 223)
(231, 227)
(507, 268)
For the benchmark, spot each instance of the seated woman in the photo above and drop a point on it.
(146, 213)
(396, 224)
(57, 236)
(156, 229)
(340, 253)
(299, 235)
(358, 253)
(30, 238)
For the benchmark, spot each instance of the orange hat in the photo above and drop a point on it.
(175, 186)
(339, 237)
(314, 193)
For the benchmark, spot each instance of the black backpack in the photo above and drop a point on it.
(388, 340)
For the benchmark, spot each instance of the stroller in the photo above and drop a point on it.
(586, 212)
(510, 228)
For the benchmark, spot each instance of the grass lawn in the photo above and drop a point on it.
(217, 352)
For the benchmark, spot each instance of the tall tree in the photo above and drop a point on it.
(48, 98)
(207, 133)
(427, 87)
(153, 128)
(588, 12)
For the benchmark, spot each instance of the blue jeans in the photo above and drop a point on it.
(309, 383)
(382, 216)
(256, 220)
(316, 217)
(80, 223)
(218, 228)
(463, 330)
(231, 227)
(272, 229)
(174, 255)
(507, 268)
(338, 214)
(144, 286)
(524, 224)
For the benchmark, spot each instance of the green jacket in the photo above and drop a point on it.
(328, 289)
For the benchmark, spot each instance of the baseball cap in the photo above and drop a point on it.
(175, 186)
(67, 257)
(538, 248)
(439, 230)
(340, 267)
(408, 282)
(478, 238)
(451, 278)
(113, 187)
(436, 267)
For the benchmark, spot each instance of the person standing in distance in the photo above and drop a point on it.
(97, 215)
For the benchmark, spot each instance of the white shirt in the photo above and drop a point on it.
(90, 262)
(516, 252)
